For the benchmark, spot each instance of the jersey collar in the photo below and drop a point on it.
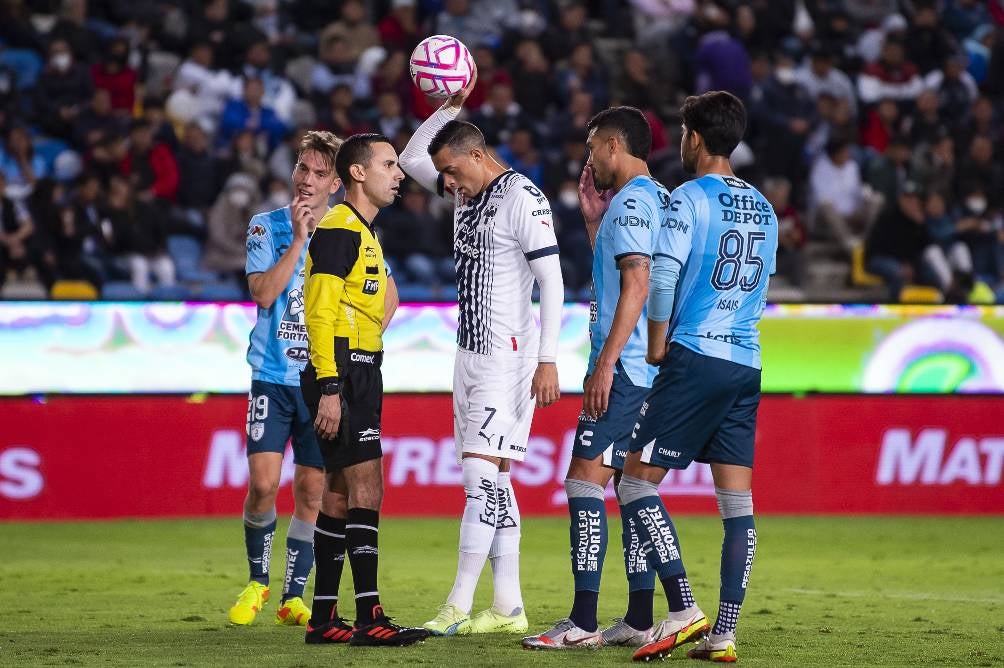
(491, 186)
(368, 224)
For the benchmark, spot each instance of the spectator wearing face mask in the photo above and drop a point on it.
(978, 226)
(226, 248)
(63, 89)
(785, 114)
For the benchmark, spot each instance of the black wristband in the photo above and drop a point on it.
(329, 385)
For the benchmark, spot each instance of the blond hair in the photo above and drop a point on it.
(325, 143)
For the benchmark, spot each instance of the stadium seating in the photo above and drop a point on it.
(120, 291)
(187, 256)
(73, 290)
(223, 291)
(859, 275)
(920, 294)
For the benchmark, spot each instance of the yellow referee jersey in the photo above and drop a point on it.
(344, 284)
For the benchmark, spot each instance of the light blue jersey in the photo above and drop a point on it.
(723, 234)
(278, 349)
(629, 227)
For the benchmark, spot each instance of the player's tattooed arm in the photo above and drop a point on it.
(634, 270)
(633, 262)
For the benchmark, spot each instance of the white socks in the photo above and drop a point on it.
(505, 551)
(490, 527)
(477, 528)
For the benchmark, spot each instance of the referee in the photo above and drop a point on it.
(344, 287)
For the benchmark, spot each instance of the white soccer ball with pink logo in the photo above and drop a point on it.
(441, 66)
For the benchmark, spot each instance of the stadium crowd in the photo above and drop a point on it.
(140, 136)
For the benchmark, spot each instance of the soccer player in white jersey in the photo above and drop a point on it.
(711, 268)
(503, 240)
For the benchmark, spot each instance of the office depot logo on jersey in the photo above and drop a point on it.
(932, 457)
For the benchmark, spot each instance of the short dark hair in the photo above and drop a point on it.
(459, 136)
(356, 150)
(835, 145)
(630, 123)
(719, 117)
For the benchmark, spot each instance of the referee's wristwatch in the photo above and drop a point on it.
(329, 385)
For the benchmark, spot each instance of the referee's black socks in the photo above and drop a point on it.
(329, 556)
(361, 531)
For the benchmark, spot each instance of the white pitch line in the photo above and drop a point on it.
(906, 595)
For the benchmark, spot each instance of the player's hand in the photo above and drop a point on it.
(329, 416)
(593, 204)
(457, 101)
(596, 393)
(656, 352)
(545, 384)
(303, 218)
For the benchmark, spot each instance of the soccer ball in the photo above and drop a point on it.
(441, 66)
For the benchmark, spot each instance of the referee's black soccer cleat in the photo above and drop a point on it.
(334, 631)
(385, 633)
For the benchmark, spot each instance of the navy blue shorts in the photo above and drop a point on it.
(700, 409)
(277, 413)
(611, 433)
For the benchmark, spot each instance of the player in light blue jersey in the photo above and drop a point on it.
(711, 267)
(276, 251)
(622, 221)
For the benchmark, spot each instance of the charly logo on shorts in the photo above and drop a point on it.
(257, 431)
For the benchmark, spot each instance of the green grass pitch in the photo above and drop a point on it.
(824, 591)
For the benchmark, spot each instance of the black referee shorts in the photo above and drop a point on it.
(358, 438)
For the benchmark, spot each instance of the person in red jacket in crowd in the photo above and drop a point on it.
(114, 75)
(151, 166)
(399, 29)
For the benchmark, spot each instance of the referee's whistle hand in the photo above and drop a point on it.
(545, 384)
(329, 415)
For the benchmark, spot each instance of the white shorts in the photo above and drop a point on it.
(492, 408)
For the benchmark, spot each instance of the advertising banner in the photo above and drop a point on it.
(123, 348)
(104, 457)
